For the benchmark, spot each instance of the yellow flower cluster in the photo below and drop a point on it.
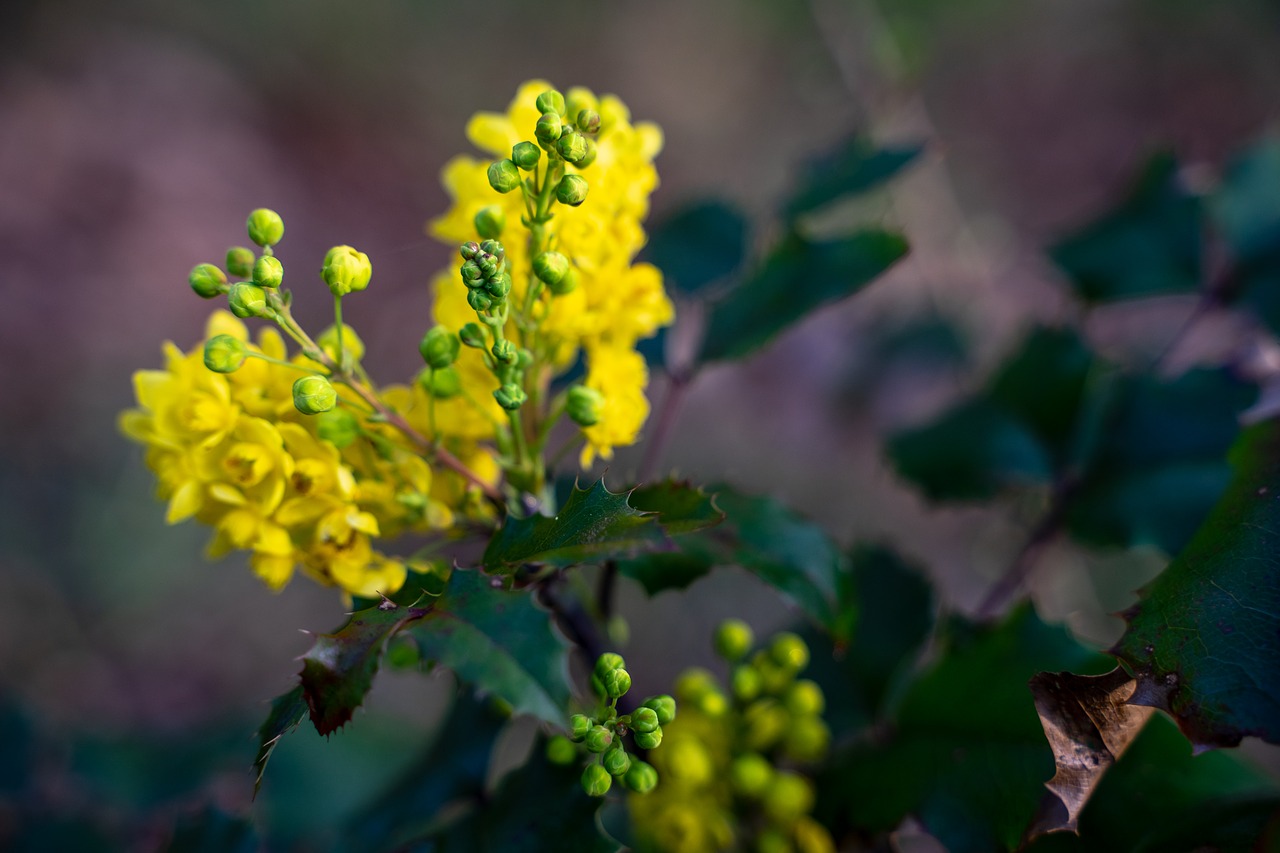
(232, 451)
(616, 302)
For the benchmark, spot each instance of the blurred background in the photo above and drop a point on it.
(136, 135)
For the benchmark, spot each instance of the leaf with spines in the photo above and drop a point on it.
(287, 712)
(699, 245)
(854, 166)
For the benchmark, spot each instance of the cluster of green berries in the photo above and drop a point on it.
(603, 734)
(566, 135)
(258, 293)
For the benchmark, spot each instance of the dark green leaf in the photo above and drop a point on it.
(1045, 386)
(287, 712)
(500, 642)
(680, 506)
(854, 166)
(798, 277)
(964, 750)
(662, 571)
(1246, 207)
(451, 768)
(338, 670)
(699, 245)
(1204, 641)
(1149, 245)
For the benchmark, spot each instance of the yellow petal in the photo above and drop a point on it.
(186, 502)
(275, 570)
(226, 493)
(493, 133)
(225, 323)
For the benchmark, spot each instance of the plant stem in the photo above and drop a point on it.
(1029, 554)
(678, 383)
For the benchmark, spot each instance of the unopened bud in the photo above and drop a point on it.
(479, 300)
(504, 351)
(550, 267)
(510, 396)
(804, 698)
(488, 264)
(526, 155)
(439, 347)
(608, 662)
(265, 227)
(580, 98)
(572, 147)
(750, 774)
(588, 121)
(268, 271)
(346, 270)
(596, 781)
(224, 354)
(579, 725)
(641, 777)
(472, 275)
(547, 130)
(248, 300)
(649, 740)
(504, 176)
(207, 280)
(664, 706)
(472, 335)
(584, 405)
(490, 221)
(598, 739)
(560, 750)
(806, 739)
(550, 101)
(733, 639)
(443, 384)
(499, 286)
(469, 249)
(351, 342)
(568, 284)
(338, 426)
(240, 261)
(589, 157)
(492, 247)
(788, 796)
(313, 395)
(572, 190)
(789, 652)
(745, 682)
(616, 762)
(644, 719)
(616, 682)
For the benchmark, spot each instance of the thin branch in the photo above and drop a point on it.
(1029, 554)
(604, 591)
(678, 383)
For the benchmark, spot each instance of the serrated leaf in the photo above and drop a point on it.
(287, 713)
(338, 670)
(500, 642)
(680, 506)
(854, 166)
(798, 277)
(1148, 245)
(699, 245)
(1204, 640)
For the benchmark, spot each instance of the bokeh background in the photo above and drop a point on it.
(135, 136)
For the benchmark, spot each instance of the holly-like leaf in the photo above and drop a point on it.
(854, 166)
(798, 277)
(1149, 245)
(962, 749)
(1204, 640)
(699, 245)
(680, 506)
(499, 641)
(338, 670)
(287, 712)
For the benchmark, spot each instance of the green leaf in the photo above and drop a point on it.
(338, 670)
(453, 767)
(680, 506)
(1245, 206)
(699, 245)
(798, 277)
(854, 166)
(287, 712)
(539, 806)
(498, 641)
(963, 749)
(1149, 245)
(1204, 640)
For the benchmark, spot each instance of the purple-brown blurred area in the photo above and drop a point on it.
(136, 135)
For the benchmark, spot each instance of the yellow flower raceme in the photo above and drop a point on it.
(620, 375)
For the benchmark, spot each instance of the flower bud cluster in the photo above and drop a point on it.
(741, 751)
(603, 734)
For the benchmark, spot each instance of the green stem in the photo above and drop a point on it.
(282, 363)
(337, 324)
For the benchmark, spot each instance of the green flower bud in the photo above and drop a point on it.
(616, 682)
(207, 280)
(490, 221)
(479, 300)
(551, 101)
(568, 284)
(588, 120)
(804, 698)
(472, 335)
(596, 781)
(240, 261)
(443, 384)
(248, 300)
(499, 286)
(608, 662)
(469, 249)
(572, 190)
(224, 354)
(351, 342)
(789, 652)
(806, 739)
(616, 762)
(265, 227)
(547, 130)
(580, 98)
(510, 396)
(644, 719)
(772, 840)
(789, 796)
(504, 176)
(439, 347)
(313, 395)
(598, 739)
(750, 774)
(692, 683)
(713, 704)
(492, 247)
(649, 740)
(524, 359)
(489, 264)
(733, 639)
(589, 157)
(345, 270)
(504, 351)
(597, 686)
(572, 147)
(472, 275)
(268, 271)
(745, 683)
(664, 706)
(550, 267)
(560, 750)
(765, 722)
(526, 155)
(579, 725)
(338, 426)
(584, 405)
(641, 777)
